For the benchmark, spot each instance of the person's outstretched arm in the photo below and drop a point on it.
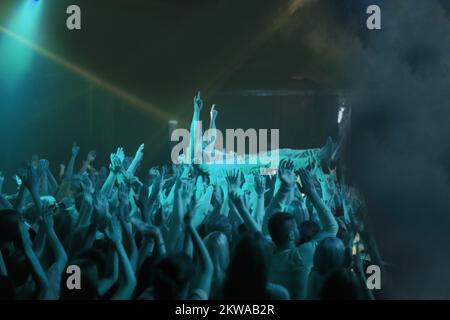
(115, 168)
(38, 273)
(206, 265)
(195, 144)
(69, 169)
(55, 244)
(87, 163)
(125, 291)
(238, 203)
(260, 188)
(287, 179)
(152, 238)
(182, 198)
(52, 183)
(136, 160)
(108, 282)
(329, 224)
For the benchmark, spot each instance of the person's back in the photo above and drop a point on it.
(329, 256)
(291, 264)
(290, 267)
(290, 270)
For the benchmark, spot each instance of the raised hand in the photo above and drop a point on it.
(213, 112)
(307, 182)
(43, 165)
(148, 230)
(153, 172)
(237, 200)
(75, 149)
(140, 153)
(91, 156)
(286, 173)
(30, 179)
(120, 155)
(116, 164)
(101, 206)
(260, 184)
(218, 196)
(198, 103)
(113, 231)
(186, 190)
(233, 180)
(157, 179)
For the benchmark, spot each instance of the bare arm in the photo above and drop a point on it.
(329, 224)
(205, 278)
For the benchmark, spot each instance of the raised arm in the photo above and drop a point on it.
(125, 291)
(52, 183)
(195, 144)
(55, 244)
(87, 163)
(70, 165)
(329, 224)
(136, 160)
(37, 271)
(152, 239)
(182, 199)
(206, 265)
(108, 282)
(115, 168)
(124, 219)
(238, 203)
(287, 179)
(260, 189)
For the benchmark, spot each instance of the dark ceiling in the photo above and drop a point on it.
(163, 51)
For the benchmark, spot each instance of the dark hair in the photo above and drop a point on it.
(277, 228)
(341, 284)
(172, 276)
(248, 273)
(329, 255)
(220, 223)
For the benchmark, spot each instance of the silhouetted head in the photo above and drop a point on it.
(172, 276)
(283, 229)
(247, 275)
(220, 223)
(329, 255)
(218, 248)
(341, 284)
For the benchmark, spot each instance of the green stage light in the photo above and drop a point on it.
(15, 57)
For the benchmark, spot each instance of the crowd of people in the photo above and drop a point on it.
(178, 232)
